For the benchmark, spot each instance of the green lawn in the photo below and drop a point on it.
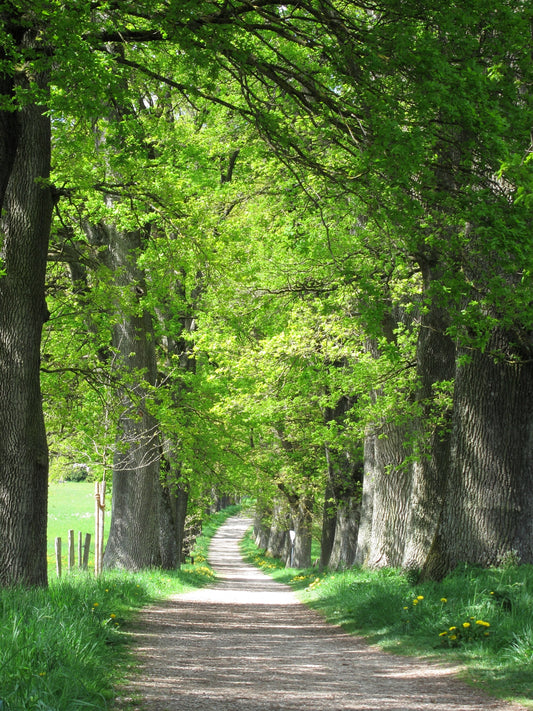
(71, 506)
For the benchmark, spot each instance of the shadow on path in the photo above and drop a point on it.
(247, 644)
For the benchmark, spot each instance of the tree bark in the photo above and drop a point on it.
(385, 502)
(26, 212)
(436, 354)
(490, 494)
(134, 534)
(344, 547)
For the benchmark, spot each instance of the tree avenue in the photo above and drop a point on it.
(291, 248)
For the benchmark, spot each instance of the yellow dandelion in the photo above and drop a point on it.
(483, 623)
(453, 636)
(405, 608)
(452, 628)
(415, 602)
(112, 615)
(95, 604)
(443, 634)
(466, 624)
(443, 599)
(420, 597)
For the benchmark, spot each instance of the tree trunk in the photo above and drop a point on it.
(278, 539)
(134, 534)
(26, 213)
(262, 515)
(299, 555)
(345, 542)
(489, 509)
(329, 521)
(385, 502)
(435, 364)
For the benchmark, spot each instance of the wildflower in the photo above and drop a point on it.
(443, 634)
(415, 602)
(443, 599)
(420, 597)
(483, 623)
(466, 624)
(112, 615)
(452, 628)
(453, 636)
(95, 604)
(405, 608)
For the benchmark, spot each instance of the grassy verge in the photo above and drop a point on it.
(480, 619)
(66, 648)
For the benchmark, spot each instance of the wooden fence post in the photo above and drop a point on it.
(86, 549)
(70, 549)
(58, 557)
(99, 494)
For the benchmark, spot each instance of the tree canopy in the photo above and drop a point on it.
(288, 254)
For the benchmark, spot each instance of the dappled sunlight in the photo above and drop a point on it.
(247, 644)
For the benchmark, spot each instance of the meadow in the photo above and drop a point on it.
(479, 619)
(65, 648)
(71, 506)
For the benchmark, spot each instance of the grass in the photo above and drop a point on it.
(65, 648)
(71, 505)
(490, 611)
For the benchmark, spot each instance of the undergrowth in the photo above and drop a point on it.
(479, 618)
(65, 647)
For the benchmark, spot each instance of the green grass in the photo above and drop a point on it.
(71, 506)
(416, 619)
(66, 647)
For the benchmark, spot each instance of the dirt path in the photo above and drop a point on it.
(247, 644)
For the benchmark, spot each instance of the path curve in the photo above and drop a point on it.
(247, 644)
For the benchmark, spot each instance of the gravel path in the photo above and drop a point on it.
(247, 644)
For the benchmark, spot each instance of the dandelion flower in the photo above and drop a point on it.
(443, 599)
(466, 624)
(415, 602)
(112, 615)
(95, 604)
(420, 597)
(443, 634)
(452, 628)
(405, 608)
(483, 623)
(453, 636)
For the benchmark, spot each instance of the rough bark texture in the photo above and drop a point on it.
(490, 496)
(435, 363)
(134, 534)
(278, 539)
(25, 228)
(347, 527)
(385, 503)
(300, 554)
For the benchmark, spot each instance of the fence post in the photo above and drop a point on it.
(99, 494)
(86, 549)
(58, 557)
(70, 549)
(80, 549)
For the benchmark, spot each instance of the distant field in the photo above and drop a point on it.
(71, 506)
